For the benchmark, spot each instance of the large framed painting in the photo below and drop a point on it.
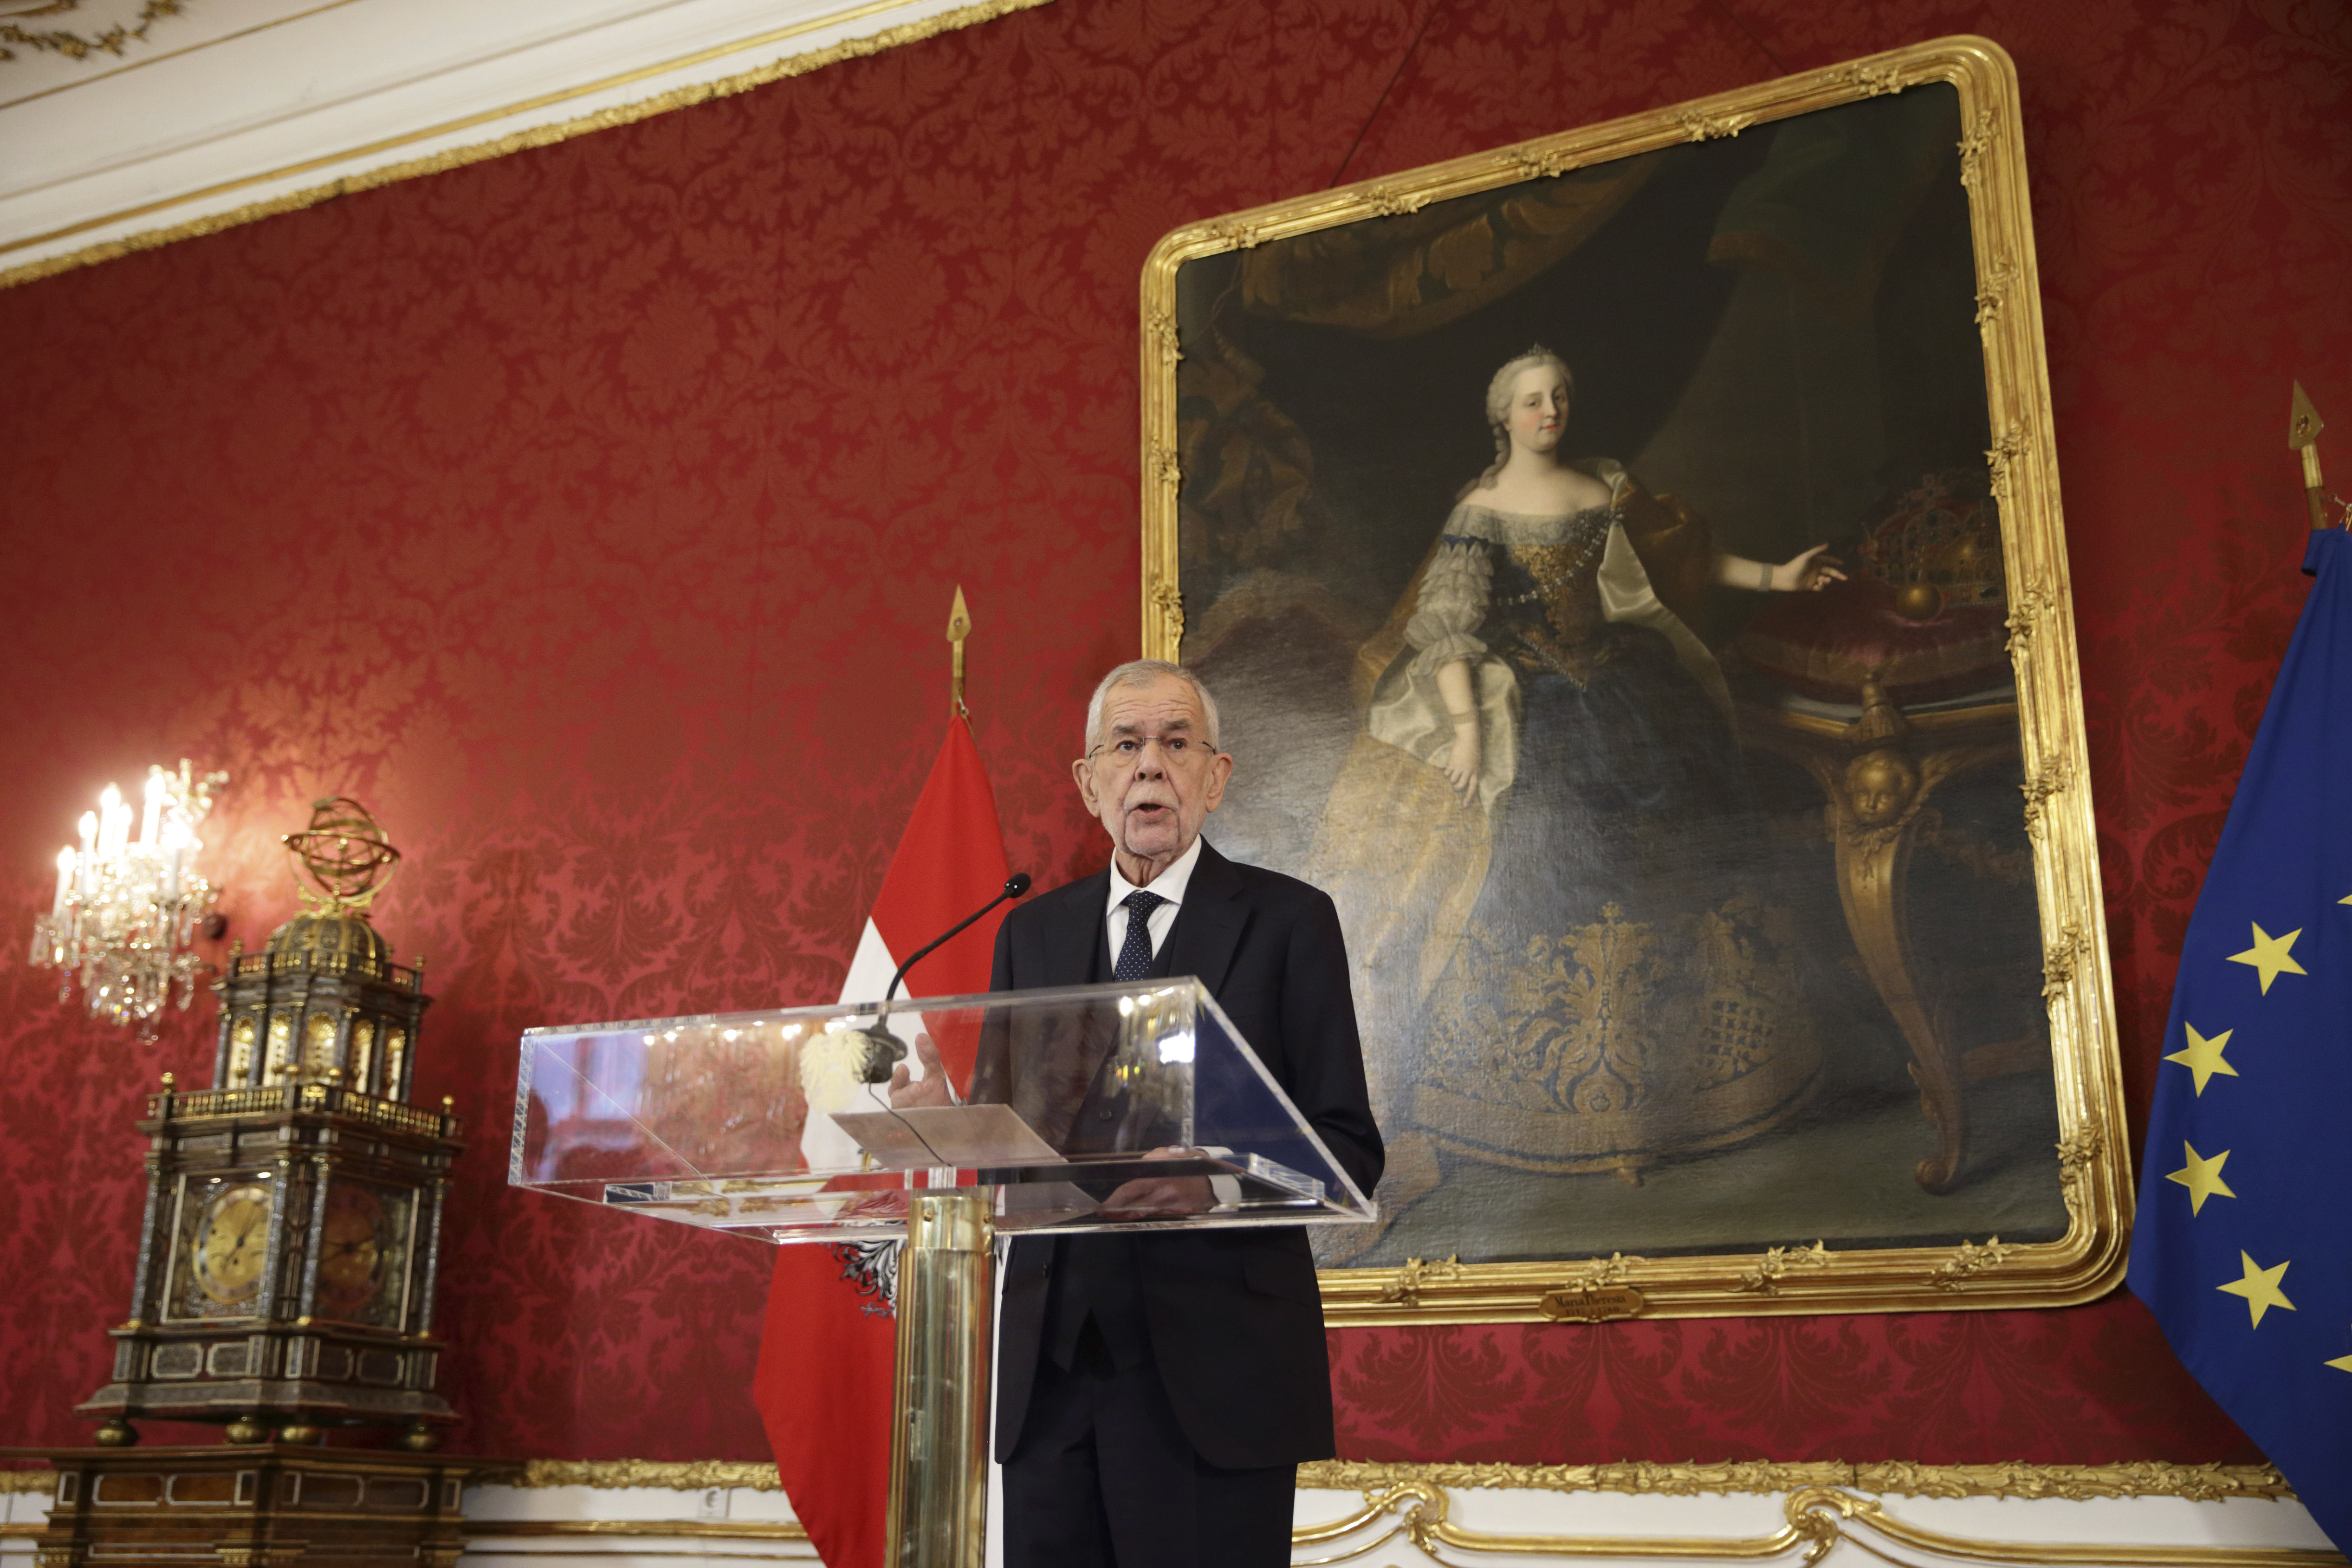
(1630, 565)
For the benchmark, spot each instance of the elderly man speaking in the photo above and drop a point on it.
(1156, 1392)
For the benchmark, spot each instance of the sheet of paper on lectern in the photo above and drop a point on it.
(968, 1135)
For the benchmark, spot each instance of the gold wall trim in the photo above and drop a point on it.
(2134, 1479)
(678, 1475)
(2094, 1156)
(516, 141)
(672, 1528)
(1902, 1478)
(1818, 1519)
(1827, 1505)
(27, 1482)
(587, 1554)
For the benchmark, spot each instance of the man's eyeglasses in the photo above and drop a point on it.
(1177, 750)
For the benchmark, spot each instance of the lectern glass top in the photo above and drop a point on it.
(1126, 1106)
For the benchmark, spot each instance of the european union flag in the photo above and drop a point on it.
(2244, 1244)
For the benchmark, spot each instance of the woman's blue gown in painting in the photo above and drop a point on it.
(1585, 968)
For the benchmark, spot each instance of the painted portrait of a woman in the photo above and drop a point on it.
(1549, 547)
(1589, 949)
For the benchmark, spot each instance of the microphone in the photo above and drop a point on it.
(884, 1049)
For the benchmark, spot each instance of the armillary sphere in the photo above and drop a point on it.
(343, 853)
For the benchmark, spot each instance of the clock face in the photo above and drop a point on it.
(231, 1242)
(364, 1254)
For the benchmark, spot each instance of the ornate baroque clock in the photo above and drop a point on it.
(293, 1219)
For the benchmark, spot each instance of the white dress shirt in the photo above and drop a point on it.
(1169, 885)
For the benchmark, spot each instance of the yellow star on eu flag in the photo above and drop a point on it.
(2204, 1056)
(2272, 955)
(2202, 1178)
(2260, 1288)
(2342, 1363)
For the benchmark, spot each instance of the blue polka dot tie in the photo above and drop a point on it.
(1135, 952)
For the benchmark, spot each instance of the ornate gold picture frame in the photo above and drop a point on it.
(1724, 973)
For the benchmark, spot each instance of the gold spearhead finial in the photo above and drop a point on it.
(959, 628)
(2303, 424)
(2302, 428)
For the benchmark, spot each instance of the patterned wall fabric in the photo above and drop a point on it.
(592, 514)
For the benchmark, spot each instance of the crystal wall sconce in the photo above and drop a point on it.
(126, 907)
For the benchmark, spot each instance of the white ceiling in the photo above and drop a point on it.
(206, 108)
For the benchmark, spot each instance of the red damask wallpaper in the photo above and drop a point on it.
(592, 514)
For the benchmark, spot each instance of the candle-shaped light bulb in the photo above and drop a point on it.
(155, 808)
(89, 843)
(110, 809)
(65, 883)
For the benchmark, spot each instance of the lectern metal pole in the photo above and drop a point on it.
(938, 1438)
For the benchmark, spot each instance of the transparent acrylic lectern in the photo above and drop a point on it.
(1122, 1107)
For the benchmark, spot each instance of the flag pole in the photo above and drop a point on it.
(960, 628)
(944, 1306)
(2304, 425)
(2212, 1255)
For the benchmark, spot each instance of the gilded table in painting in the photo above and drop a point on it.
(1879, 770)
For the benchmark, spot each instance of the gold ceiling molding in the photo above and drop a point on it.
(683, 97)
(185, 49)
(72, 45)
(2072, 1483)
(1818, 1520)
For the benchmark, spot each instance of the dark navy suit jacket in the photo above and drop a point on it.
(1235, 1316)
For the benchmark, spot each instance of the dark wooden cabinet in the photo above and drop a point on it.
(266, 1505)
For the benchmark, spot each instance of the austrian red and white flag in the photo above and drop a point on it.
(826, 1354)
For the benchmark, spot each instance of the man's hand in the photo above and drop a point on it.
(1162, 1198)
(931, 1089)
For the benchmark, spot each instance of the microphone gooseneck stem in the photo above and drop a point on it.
(1014, 885)
(884, 1047)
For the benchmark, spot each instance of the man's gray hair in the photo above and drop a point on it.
(1142, 672)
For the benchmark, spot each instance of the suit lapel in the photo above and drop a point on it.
(1077, 940)
(1074, 949)
(1209, 922)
